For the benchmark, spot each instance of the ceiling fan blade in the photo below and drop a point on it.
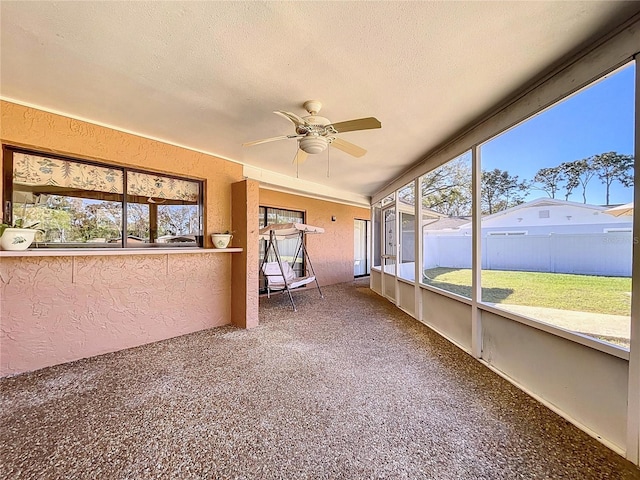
(348, 147)
(272, 139)
(297, 121)
(300, 157)
(357, 124)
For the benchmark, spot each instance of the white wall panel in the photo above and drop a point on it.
(407, 297)
(390, 286)
(588, 385)
(376, 281)
(449, 317)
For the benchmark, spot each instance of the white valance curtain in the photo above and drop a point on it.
(35, 170)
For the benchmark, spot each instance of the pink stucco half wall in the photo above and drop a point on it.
(59, 309)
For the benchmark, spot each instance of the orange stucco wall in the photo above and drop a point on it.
(332, 252)
(38, 130)
(244, 273)
(58, 309)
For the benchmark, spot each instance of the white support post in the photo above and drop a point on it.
(633, 405)
(398, 255)
(418, 250)
(369, 246)
(383, 277)
(476, 256)
(372, 244)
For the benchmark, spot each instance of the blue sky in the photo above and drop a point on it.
(596, 120)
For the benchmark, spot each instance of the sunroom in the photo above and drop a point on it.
(485, 207)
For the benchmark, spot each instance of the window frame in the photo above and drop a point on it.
(7, 199)
(263, 243)
(474, 142)
(587, 339)
(419, 281)
(406, 209)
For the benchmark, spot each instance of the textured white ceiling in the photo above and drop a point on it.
(207, 75)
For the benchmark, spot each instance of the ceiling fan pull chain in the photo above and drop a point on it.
(328, 160)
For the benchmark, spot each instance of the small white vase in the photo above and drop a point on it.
(221, 240)
(17, 238)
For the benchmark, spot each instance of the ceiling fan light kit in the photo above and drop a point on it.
(314, 133)
(313, 144)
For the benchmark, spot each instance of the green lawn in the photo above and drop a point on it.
(585, 293)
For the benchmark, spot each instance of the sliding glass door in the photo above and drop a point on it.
(287, 248)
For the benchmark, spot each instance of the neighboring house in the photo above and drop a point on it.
(442, 222)
(547, 215)
(557, 236)
(431, 220)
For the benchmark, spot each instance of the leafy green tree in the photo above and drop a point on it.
(95, 220)
(407, 195)
(447, 189)
(570, 177)
(501, 190)
(53, 222)
(177, 220)
(51, 213)
(138, 220)
(578, 174)
(549, 180)
(611, 167)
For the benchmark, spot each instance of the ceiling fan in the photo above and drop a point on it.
(315, 133)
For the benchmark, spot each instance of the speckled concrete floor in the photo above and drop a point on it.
(346, 388)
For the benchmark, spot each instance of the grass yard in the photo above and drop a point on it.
(584, 293)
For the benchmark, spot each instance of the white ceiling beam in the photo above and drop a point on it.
(296, 186)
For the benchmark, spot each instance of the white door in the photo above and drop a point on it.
(389, 225)
(361, 248)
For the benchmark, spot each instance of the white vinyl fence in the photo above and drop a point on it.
(606, 254)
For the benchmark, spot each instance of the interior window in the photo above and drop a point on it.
(161, 209)
(82, 204)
